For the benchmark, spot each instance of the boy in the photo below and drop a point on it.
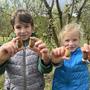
(24, 66)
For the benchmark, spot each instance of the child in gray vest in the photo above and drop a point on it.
(24, 60)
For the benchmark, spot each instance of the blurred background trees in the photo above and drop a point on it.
(49, 17)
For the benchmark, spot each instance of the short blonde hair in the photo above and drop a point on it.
(69, 28)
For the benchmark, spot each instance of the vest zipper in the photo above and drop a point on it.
(24, 69)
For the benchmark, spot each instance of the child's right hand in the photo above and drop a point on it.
(8, 49)
(40, 47)
(59, 54)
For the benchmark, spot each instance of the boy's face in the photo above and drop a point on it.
(71, 40)
(23, 30)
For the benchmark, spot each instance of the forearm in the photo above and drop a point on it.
(43, 67)
(58, 63)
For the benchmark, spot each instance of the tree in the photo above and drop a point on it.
(72, 12)
(51, 13)
(85, 22)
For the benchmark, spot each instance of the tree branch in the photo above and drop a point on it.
(60, 13)
(80, 10)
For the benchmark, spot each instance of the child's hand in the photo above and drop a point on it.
(59, 54)
(86, 52)
(38, 46)
(10, 47)
(86, 48)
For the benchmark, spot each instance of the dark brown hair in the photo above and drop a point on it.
(23, 16)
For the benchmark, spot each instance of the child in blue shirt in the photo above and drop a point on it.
(71, 72)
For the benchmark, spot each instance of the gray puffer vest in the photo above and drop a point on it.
(22, 72)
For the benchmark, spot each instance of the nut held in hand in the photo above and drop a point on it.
(32, 41)
(19, 43)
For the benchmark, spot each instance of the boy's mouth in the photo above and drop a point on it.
(24, 37)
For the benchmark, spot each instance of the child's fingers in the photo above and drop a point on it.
(41, 46)
(86, 47)
(44, 51)
(15, 39)
(86, 51)
(32, 41)
(55, 53)
(58, 51)
(38, 43)
(62, 51)
(9, 49)
(17, 44)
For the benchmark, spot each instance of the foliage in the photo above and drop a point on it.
(1, 81)
(43, 18)
(85, 22)
(5, 21)
(48, 12)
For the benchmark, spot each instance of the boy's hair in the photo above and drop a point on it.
(72, 27)
(23, 16)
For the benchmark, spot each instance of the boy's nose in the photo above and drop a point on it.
(23, 30)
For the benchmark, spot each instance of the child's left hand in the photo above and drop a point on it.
(38, 46)
(86, 47)
(86, 51)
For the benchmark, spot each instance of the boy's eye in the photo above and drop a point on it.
(18, 27)
(26, 26)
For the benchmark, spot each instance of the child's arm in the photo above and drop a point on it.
(44, 68)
